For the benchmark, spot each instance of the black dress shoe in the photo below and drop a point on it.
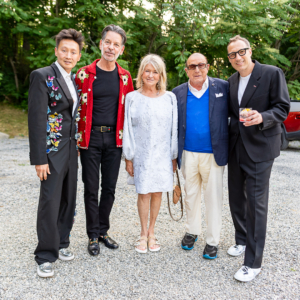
(93, 247)
(108, 242)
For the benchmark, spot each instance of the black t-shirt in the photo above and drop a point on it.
(106, 97)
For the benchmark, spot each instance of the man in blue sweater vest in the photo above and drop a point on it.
(202, 150)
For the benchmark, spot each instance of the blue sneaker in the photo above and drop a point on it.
(210, 252)
(188, 241)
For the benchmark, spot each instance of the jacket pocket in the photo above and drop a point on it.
(272, 131)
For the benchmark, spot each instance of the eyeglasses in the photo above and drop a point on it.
(241, 52)
(200, 66)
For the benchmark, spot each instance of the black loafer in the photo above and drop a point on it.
(93, 247)
(188, 241)
(108, 242)
(210, 252)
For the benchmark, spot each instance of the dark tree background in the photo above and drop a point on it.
(173, 29)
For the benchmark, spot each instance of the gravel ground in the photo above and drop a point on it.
(171, 273)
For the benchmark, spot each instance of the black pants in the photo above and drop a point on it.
(102, 152)
(248, 184)
(57, 204)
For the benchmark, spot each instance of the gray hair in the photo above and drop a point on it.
(116, 29)
(239, 38)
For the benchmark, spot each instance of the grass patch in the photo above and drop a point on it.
(13, 121)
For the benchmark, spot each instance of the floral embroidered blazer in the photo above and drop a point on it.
(84, 81)
(51, 122)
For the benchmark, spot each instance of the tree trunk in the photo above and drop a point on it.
(296, 73)
(277, 44)
(152, 41)
(218, 69)
(15, 73)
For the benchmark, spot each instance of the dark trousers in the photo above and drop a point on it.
(102, 152)
(57, 204)
(248, 184)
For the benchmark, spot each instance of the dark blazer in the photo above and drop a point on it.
(267, 93)
(218, 118)
(50, 121)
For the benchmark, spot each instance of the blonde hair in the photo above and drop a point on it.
(239, 38)
(157, 62)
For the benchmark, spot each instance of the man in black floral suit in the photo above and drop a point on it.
(52, 120)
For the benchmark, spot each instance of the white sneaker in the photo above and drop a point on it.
(246, 274)
(236, 250)
(65, 254)
(45, 270)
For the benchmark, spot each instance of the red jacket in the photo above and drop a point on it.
(84, 80)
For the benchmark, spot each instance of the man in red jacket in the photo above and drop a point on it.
(103, 86)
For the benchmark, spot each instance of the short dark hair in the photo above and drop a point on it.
(70, 34)
(116, 29)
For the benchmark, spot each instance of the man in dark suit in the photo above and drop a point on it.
(52, 116)
(202, 150)
(253, 146)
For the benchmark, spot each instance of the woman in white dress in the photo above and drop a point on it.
(150, 143)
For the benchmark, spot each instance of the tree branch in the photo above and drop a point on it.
(15, 73)
(152, 41)
(160, 46)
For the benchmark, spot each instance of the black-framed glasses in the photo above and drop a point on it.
(200, 66)
(241, 52)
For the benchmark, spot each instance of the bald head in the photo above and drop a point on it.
(196, 56)
(196, 70)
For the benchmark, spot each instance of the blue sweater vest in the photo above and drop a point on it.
(197, 136)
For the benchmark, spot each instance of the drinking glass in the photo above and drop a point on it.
(244, 113)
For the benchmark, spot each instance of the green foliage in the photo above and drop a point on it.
(294, 89)
(172, 29)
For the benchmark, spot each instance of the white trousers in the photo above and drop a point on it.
(201, 169)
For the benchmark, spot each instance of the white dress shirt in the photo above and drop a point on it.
(200, 93)
(69, 82)
(242, 86)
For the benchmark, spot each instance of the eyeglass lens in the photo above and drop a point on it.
(241, 52)
(200, 66)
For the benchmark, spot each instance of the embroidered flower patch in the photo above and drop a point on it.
(121, 134)
(82, 75)
(125, 79)
(77, 135)
(84, 98)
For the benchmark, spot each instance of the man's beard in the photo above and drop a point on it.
(113, 59)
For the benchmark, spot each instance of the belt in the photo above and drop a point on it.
(104, 128)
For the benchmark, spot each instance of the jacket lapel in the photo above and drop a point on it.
(252, 84)
(182, 96)
(75, 86)
(61, 81)
(212, 95)
(234, 86)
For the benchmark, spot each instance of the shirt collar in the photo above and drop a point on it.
(62, 70)
(204, 86)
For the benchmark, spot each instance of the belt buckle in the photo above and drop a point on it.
(101, 128)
